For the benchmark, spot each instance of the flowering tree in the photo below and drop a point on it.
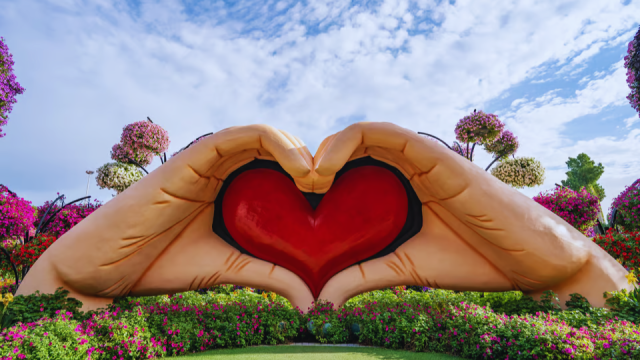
(9, 87)
(520, 172)
(578, 208)
(480, 128)
(627, 208)
(632, 64)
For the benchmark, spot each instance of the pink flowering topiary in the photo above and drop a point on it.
(69, 217)
(578, 208)
(16, 215)
(628, 205)
(506, 144)
(479, 127)
(141, 141)
(9, 87)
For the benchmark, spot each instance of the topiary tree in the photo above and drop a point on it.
(520, 172)
(632, 64)
(9, 87)
(117, 176)
(578, 208)
(480, 128)
(627, 208)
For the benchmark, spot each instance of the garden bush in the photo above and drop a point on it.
(435, 320)
(69, 217)
(16, 215)
(622, 246)
(628, 205)
(578, 208)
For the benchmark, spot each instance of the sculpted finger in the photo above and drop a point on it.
(341, 148)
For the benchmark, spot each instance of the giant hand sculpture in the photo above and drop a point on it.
(477, 233)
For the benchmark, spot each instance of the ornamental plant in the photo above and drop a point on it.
(628, 207)
(9, 87)
(578, 208)
(632, 64)
(117, 176)
(480, 128)
(26, 255)
(67, 218)
(622, 246)
(140, 141)
(520, 172)
(16, 215)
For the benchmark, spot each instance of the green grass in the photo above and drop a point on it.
(290, 352)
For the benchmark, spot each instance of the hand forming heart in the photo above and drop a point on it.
(477, 233)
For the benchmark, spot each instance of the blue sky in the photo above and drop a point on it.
(551, 70)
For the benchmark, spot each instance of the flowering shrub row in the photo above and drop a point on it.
(435, 321)
(578, 208)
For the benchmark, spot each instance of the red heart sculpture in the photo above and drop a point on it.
(363, 212)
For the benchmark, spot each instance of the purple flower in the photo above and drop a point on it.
(9, 87)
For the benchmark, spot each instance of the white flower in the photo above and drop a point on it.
(520, 172)
(117, 176)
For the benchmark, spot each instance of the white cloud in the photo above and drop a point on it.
(630, 121)
(90, 68)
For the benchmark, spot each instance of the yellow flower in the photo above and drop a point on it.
(631, 278)
(273, 296)
(235, 293)
(264, 295)
(7, 299)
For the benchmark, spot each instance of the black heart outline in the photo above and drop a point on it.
(412, 225)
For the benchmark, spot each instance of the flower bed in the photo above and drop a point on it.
(441, 321)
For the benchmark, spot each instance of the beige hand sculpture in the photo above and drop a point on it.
(478, 233)
(156, 236)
